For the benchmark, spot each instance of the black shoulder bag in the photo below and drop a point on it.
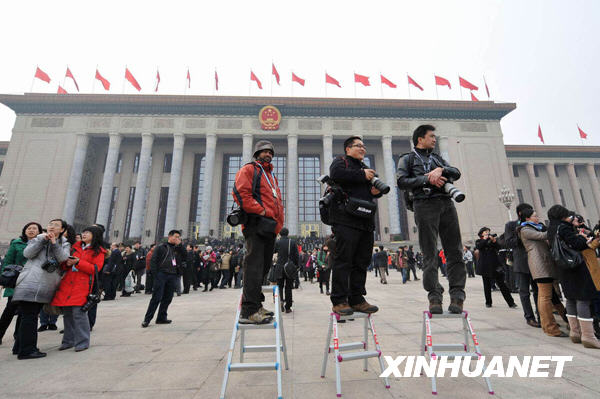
(564, 257)
(290, 268)
(93, 298)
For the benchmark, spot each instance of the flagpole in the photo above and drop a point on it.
(408, 85)
(459, 87)
(215, 83)
(272, 64)
(94, 80)
(354, 84)
(380, 85)
(436, 89)
(186, 81)
(33, 79)
(123, 86)
(325, 83)
(292, 86)
(249, 83)
(65, 78)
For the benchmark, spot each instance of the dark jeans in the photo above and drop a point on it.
(498, 277)
(437, 216)
(165, 285)
(109, 283)
(411, 267)
(7, 315)
(285, 291)
(351, 258)
(224, 278)
(470, 270)
(138, 279)
(27, 335)
(256, 265)
(525, 281)
(189, 279)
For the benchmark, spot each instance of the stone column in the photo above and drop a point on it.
(444, 148)
(291, 186)
(112, 159)
(392, 196)
(174, 182)
(553, 182)
(327, 159)
(211, 147)
(537, 204)
(75, 177)
(595, 186)
(137, 213)
(575, 188)
(247, 139)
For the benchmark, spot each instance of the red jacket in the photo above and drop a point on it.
(250, 176)
(75, 286)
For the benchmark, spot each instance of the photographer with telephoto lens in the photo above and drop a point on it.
(425, 177)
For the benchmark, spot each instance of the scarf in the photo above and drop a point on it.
(537, 226)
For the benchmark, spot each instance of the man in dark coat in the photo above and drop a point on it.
(109, 272)
(286, 250)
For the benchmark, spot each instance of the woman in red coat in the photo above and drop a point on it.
(75, 287)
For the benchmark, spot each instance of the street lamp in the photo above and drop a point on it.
(3, 199)
(506, 198)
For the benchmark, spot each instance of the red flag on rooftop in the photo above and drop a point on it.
(412, 82)
(388, 82)
(466, 84)
(582, 134)
(297, 79)
(255, 78)
(131, 79)
(364, 80)
(105, 83)
(473, 98)
(486, 87)
(70, 75)
(189, 78)
(331, 81)
(274, 72)
(157, 81)
(41, 75)
(216, 81)
(61, 90)
(540, 134)
(442, 82)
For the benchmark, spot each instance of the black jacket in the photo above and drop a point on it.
(140, 258)
(348, 173)
(163, 256)
(114, 262)
(380, 259)
(512, 241)
(488, 261)
(411, 173)
(281, 249)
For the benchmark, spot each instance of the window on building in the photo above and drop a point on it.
(562, 197)
(280, 171)
(536, 171)
(111, 213)
(556, 171)
(309, 190)
(3, 151)
(1, 167)
(119, 163)
(168, 160)
(231, 165)
(582, 197)
(520, 195)
(197, 188)
(541, 194)
(162, 214)
(136, 162)
(515, 170)
(129, 212)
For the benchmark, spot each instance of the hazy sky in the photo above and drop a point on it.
(543, 55)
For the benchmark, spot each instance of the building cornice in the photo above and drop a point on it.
(551, 151)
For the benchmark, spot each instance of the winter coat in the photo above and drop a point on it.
(14, 256)
(539, 258)
(253, 193)
(488, 261)
(34, 283)
(380, 259)
(283, 255)
(75, 285)
(512, 241)
(225, 261)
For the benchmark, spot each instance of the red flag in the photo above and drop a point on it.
(216, 81)
(467, 85)
(486, 87)
(473, 98)
(388, 82)
(131, 79)
(540, 134)
(255, 78)
(274, 71)
(412, 82)
(298, 80)
(189, 79)
(70, 75)
(442, 82)
(361, 79)
(61, 90)
(157, 80)
(331, 81)
(582, 134)
(105, 82)
(41, 75)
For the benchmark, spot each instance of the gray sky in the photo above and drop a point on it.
(543, 55)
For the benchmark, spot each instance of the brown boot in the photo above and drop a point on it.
(456, 306)
(435, 306)
(575, 333)
(547, 321)
(588, 339)
(343, 309)
(365, 307)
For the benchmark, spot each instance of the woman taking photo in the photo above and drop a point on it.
(81, 270)
(541, 266)
(38, 282)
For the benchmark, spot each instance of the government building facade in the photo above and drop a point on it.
(144, 164)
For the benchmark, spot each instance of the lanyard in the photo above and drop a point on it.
(426, 165)
(269, 181)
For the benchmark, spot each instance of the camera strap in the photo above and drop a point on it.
(426, 165)
(92, 277)
(273, 190)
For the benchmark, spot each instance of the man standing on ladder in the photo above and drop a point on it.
(256, 191)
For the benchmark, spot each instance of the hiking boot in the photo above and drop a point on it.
(456, 306)
(343, 309)
(256, 318)
(435, 306)
(265, 312)
(365, 307)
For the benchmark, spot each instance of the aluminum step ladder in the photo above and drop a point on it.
(279, 347)
(451, 350)
(337, 348)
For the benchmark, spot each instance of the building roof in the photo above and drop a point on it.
(552, 151)
(43, 103)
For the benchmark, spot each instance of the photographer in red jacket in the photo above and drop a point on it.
(256, 191)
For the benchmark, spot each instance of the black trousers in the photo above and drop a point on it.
(121, 276)
(189, 279)
(149, 282)
(256, 265)
(165, 285)
(109, 284)
(224, 278)
(498, 277)
(525, 281)
(437, 216)
(285, 291)
(138, 279)
(470, 270)
(351, 259)
(7, 316)
(27, 335)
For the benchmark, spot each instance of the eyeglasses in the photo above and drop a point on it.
(359, 146)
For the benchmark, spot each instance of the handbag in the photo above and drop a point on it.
(9, 275)
(564, 257)
(290, 269)
(361, 208)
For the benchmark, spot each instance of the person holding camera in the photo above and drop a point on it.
(81, 268)
(424, 175)
(352, 218)
(256, 191)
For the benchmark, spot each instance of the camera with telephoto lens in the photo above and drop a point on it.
(379, 184)
(51, 265)
(237, 217)
(92, 299)
(454, 192)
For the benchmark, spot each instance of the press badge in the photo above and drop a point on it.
(173, 262)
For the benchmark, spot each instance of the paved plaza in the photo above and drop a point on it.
(186, 359)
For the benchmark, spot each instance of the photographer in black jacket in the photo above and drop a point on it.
(353, 234)
(425, 174)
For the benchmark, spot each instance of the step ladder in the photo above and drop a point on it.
(275, 324)
(337, 348)
(451, 350)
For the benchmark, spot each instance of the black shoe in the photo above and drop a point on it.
(145, 324)
(61, 332)
(513, 306)
(288, 311)
(533, 323)
(164, 321)
(195, 289)
(456, 306)
(34, 355)
(211, 288)
(42, 328)
(179, 294)
(417, 279)
(327, 293)
(435, 307)
(52, 327)
(205, 289)
(488, 305)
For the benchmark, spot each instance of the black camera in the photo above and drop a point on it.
(51, 265)
(380, 185)
(237, 217)
(92, 299)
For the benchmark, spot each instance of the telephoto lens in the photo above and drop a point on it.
(454, 192)
(380, 185)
